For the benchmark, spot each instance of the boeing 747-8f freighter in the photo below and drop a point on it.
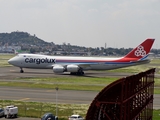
(76, 65)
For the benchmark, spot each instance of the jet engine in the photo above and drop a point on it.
(58, 69)
(72, 68)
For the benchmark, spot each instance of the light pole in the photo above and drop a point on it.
(56, 100)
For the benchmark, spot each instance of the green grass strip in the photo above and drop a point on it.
(38, 109)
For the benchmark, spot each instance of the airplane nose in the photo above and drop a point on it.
(10, 61)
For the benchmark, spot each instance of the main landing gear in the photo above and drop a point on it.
(21, 71)
(80, 72)
(77, 73)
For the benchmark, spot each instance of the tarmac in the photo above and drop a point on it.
(11, 73)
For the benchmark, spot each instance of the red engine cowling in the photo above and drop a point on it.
(72, 68)
(58, 69)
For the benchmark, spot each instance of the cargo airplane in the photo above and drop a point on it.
(76, 65)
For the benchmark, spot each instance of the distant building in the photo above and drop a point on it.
(9, 49)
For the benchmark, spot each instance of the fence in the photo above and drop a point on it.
(129, 98)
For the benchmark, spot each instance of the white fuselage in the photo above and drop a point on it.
(87, 63)
(76, 65)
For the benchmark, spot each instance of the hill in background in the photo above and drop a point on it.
(17, 38)
(26, 42)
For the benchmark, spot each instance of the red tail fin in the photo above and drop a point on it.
(142, 50)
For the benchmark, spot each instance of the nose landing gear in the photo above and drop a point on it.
(21, 71)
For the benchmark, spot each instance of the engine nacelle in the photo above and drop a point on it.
(72, 68)
(58, 69)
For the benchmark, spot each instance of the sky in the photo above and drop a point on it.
(89, 23)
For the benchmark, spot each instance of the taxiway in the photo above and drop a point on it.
(49, 95)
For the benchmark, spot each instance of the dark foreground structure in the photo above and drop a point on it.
(129, 98)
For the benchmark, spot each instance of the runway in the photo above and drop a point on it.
(49, 95)
(13, 72)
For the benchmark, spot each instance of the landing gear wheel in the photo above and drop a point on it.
(21, 71)
(73, 73)
(80, 72)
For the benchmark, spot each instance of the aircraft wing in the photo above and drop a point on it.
(84, 65)
(141, 61)
(80, 65)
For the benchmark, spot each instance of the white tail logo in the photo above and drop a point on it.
(140, 51)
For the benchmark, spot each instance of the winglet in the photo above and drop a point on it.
(142, 50)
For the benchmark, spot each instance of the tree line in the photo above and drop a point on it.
(34, 44)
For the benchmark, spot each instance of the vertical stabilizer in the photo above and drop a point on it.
(142, 50)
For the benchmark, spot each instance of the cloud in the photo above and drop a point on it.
(81, 21)
(92, 10)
